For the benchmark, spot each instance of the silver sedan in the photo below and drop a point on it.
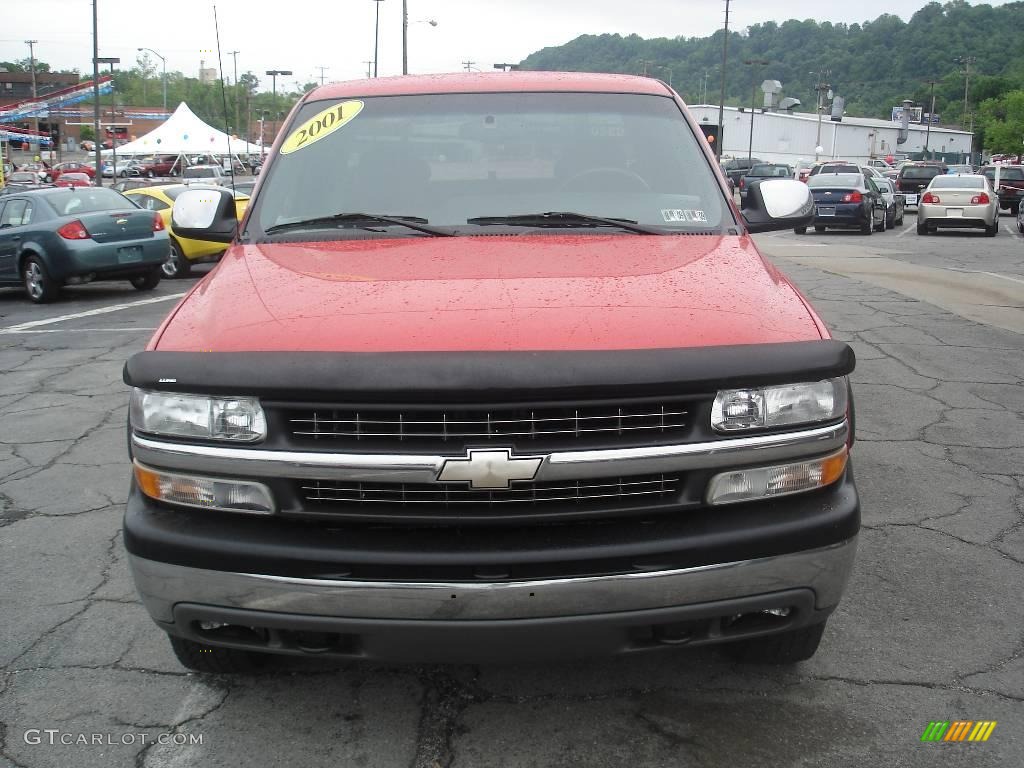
(964, 200)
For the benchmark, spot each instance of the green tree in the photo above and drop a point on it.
(1003, 121)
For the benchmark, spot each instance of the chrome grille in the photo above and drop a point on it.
(633, 491)
(631, 422)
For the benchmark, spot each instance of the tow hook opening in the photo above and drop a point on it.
(758, 621)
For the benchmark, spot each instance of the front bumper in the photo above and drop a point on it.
(476, 622)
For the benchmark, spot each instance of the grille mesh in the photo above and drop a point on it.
(636, 422)
(632, 491)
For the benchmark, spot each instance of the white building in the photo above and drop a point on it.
(788, 137)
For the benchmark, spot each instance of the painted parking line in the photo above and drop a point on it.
(126, 329)
(990, 274)
(907, 229)
(90, 313)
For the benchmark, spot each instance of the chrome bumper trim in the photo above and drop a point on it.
(561, 465)
(824, 570)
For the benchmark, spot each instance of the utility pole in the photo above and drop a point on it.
(369, 69)
(405, 37)
(234, 55)
(721, 102)
(322, 70)
(704, 100)
(32, 66)
(468, 65)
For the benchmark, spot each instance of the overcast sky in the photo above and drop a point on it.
(339, 34)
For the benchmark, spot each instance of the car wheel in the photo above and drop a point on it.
(214, 659)
(819, 229)
(867, 227)
(176, 265)
(148, 281)
(899, 221)
(922, 228)
(1015, 209)
(784, 648)
(880, 227)
(48, 179)
(40, 287)
(992, 230)
(800, 230)
(149, 174)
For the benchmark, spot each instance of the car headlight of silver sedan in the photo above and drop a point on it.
(237, 419)
(736, 410)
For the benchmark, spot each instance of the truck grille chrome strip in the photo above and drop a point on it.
(559, 465)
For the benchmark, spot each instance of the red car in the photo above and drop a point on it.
(73, 179)
(70, 166)
(523, 386)
(160, 166)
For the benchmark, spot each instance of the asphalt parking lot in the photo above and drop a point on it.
(932, 627)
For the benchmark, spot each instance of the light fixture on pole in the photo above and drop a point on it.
(405, 34)
(96, 96)
(721, 103)
(111, 60)
(164, 61)
(376, 38)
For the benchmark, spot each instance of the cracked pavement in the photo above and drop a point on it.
(931, 628)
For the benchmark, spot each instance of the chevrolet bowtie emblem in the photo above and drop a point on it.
(490, 469)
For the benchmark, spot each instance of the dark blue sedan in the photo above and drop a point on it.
(846, 200)
(66, 236)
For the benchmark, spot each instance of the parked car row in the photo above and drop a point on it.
(71, 232)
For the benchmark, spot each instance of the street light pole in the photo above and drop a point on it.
(405, 37)
(111, 60)
(164, 76)
(32, 65)
(928, 128)
(234, 55)
(273, 77)
(376, 38)
(753, 102)
(96, 96)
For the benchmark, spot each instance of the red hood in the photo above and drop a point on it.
(491, 293)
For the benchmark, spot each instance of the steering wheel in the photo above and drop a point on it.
(628, 181)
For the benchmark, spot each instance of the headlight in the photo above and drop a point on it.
(239, 419)
(787, 405)
(781, 480)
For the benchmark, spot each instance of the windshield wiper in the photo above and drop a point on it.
(566, 219)
(412, 222)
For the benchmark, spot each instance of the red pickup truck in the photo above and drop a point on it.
(491, 368)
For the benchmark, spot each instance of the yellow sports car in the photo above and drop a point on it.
(184, 252)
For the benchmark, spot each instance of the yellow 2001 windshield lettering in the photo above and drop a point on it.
(322, 124)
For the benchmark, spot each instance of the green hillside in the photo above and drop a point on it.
(874, 65)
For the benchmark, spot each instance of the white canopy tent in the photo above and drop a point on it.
(186, 136)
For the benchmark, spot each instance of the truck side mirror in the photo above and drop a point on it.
(777, 204)
(205, 214)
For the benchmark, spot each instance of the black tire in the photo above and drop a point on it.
(213, 659)
(922, 229)
(819, 229)
(800, 230)
(39, 286)
(150, 174)
(1015, 209)
(176, 266)
(880, 227)
(148, 281)
(993, 230)
(867, 227)
(784, 648)
(899, 221)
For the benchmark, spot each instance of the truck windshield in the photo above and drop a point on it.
(457, 160)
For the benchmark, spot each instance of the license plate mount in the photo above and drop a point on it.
(911, 199)
(826, 210)
(129, 254)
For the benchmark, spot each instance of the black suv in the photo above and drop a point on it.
(914, 177)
